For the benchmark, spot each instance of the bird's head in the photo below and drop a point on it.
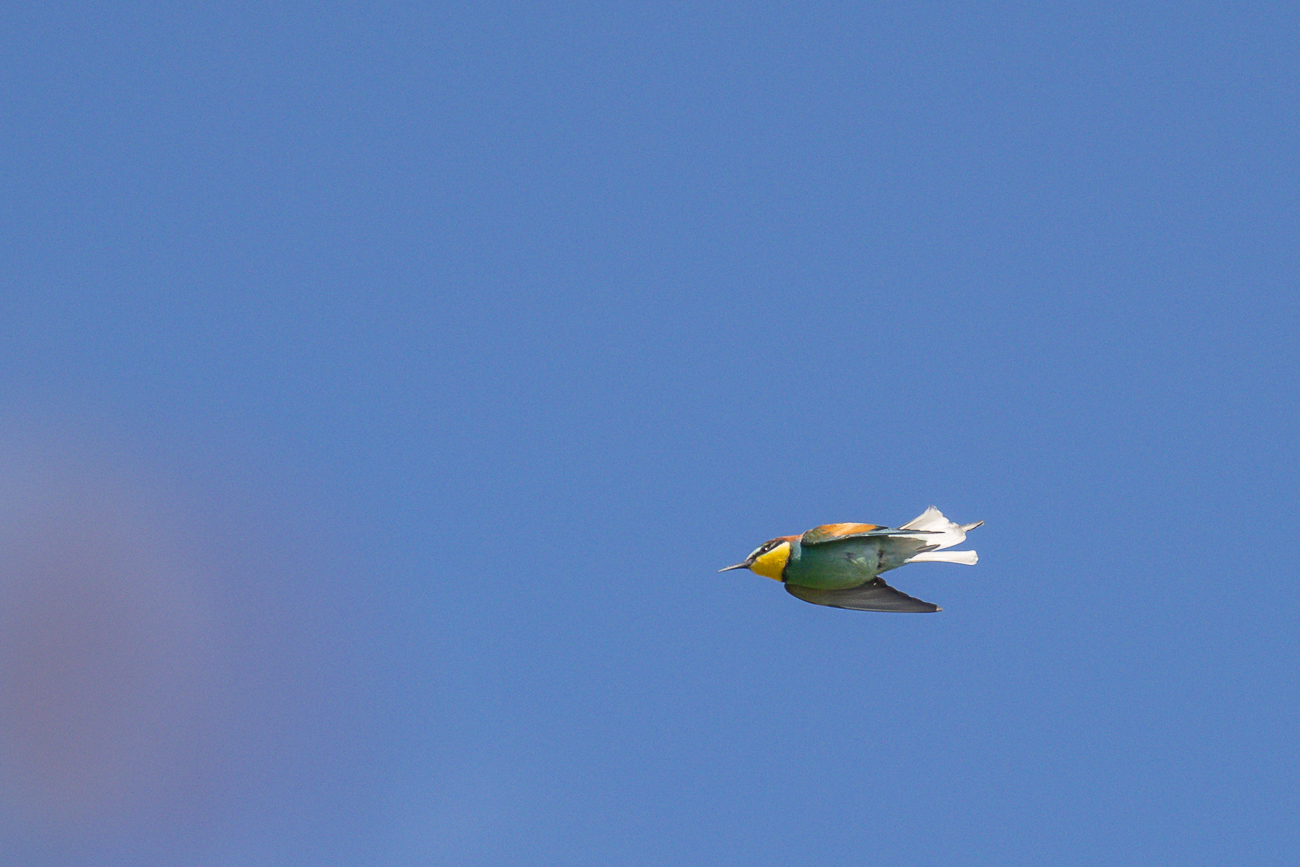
(768, 559)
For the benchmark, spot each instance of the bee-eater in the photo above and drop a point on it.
(840, 564)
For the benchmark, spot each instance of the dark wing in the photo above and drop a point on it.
(835, 532)
(875, 595)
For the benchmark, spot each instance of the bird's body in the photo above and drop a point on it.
(839, 564)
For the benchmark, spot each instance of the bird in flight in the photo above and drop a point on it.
(840, 564)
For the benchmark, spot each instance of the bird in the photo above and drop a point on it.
(839, 565)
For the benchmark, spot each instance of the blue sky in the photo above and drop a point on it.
(384, 384)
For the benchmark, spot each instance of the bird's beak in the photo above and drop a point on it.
(737, 566)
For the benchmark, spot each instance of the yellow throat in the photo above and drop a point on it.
(772, 564)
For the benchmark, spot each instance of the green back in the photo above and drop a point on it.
(849, 561)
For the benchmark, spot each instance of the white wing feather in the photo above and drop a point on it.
(942, 533)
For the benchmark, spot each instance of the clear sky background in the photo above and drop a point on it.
(383, 384)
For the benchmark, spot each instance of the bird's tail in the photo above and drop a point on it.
(968, 558)
(938, 531)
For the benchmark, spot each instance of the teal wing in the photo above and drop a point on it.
(875, 595)
(836, 532)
